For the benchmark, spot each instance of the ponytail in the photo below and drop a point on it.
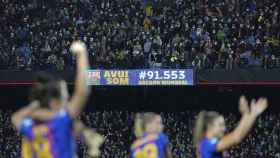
(141, 121)
(203, 120)
(138, 126)
(199, 129)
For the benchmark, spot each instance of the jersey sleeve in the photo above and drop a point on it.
(164, 139)
(208, 147)
(63, 114)
(63, 119)
(26, 127)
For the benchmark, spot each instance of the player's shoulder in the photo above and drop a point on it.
(26, 127)
(206, 142)
(27, 122)
(62, 113)
(61, 116)
(214, 141)
(145, 139)
(163, 137)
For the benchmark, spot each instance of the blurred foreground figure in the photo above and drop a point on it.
(47, 123)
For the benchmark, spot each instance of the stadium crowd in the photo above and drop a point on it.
(206, 34)
(117, 127)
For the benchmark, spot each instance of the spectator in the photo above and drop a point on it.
(226, 34)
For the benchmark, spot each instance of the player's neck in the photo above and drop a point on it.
(209, 135)
(56, 105)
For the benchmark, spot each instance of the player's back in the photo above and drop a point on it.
(150, 145)
(49, 139)
(207, 148)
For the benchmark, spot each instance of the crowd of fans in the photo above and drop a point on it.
(117, 127)
(206, 34)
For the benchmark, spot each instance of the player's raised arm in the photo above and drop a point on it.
(246, 123)
(42, 114)
(81, 90)
(18, 116)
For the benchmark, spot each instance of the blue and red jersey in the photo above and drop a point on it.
(50, 139)
(150, 145)
(207, 148)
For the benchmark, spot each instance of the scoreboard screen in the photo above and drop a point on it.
(140, 77)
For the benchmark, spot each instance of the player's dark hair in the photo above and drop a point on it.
(45, 88)
(204, 119)
(141, 120)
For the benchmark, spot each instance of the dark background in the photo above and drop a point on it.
(222, 98)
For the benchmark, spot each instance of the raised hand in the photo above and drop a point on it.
(259, 106)
(243, 105)
(78, 47)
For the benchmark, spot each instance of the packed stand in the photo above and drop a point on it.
(205, 34)
(117, 127)
(9, 138)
